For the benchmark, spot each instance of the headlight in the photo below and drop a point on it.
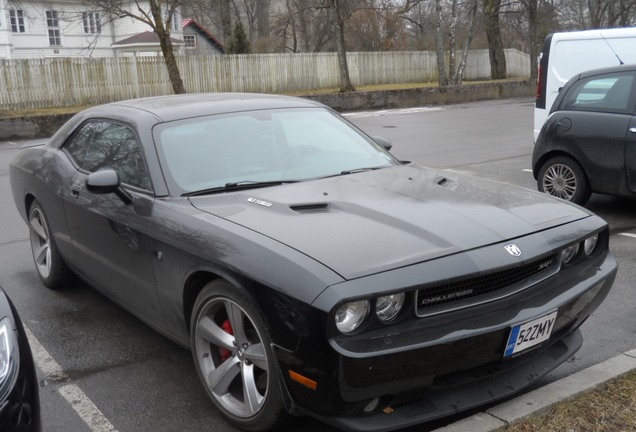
(590, 244)
(388, 307)
(8, 358)
(568, 254)
(350, 315)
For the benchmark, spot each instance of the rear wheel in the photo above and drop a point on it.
(49, 263)
(564, 178)
(233, 356)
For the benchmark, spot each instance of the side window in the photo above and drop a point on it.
(104, 145)
(606, 93)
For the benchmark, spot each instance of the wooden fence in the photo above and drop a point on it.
(42, 83)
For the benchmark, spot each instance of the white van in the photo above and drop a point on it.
(569, 53)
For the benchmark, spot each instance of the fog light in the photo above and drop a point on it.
(568, 254)
(371, 406)
(590, 244)
(350, 315)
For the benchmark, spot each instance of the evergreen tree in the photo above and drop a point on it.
(238, 43)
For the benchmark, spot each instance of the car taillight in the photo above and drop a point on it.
(540, 82)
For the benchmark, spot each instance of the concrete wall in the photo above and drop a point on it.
(364, 100)
(44, 126)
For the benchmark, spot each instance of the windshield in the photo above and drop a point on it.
(262, 146)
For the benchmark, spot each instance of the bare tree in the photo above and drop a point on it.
(492, 9)
(457, 73)
(159, 15)
(337, 20)
(439, 45)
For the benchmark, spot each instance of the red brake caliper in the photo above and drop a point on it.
(227, 328)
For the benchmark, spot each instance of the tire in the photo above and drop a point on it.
(49, 263)
(236, 360)
(564, 178)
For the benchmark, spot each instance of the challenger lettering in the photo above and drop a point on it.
(436, 299)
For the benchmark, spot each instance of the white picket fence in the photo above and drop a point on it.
(42, 83)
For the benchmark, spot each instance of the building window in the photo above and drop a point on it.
(190, 41)
(17, 21)
(53, 23)
(92, 22)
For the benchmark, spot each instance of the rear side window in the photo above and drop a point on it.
(606, 93)
(100, 145)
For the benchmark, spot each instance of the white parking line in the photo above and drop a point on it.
(82, 405)
(86, 409)
(628, 234)
(381, 113)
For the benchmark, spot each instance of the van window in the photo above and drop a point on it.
(604, 93)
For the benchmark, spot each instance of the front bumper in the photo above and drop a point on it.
(459, 365)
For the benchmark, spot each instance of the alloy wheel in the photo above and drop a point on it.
(232, 357)
(40, 242)
(559, 180)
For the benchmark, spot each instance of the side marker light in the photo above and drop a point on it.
(304, 381)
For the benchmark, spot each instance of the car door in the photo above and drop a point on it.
(592, 122)
(111, 238)
(630, 154)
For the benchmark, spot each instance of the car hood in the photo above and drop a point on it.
(365, 223)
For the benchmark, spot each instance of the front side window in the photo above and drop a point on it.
(190, 41)
(92, 22)
(16, 16)
(104, 145)
(606, 93)
(53, 24)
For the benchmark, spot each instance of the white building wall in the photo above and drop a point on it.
(34, 43)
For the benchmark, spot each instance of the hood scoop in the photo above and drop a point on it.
(310, 208)
(446, 183)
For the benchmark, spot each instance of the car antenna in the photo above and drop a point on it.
(610, 47)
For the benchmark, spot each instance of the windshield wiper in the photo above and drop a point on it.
(357, 170)
(353, 171)
(245, 184)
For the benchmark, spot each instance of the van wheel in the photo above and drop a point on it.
(564, 178)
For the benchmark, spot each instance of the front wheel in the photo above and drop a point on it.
(49, 263)
(233, 356)
(564, 178)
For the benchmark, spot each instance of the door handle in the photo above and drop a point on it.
(75, 191)
(633, 130)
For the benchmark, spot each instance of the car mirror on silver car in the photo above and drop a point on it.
(105, 182)
(385, 143)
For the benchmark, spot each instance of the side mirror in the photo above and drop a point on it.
(383, 142)
(105, 182)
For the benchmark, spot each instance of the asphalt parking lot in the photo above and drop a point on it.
(101, 369)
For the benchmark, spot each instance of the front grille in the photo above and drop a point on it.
(433, 298)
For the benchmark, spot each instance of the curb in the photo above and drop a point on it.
(540, 402)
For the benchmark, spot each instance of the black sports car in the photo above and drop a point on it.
(19, 396)
(309, 270)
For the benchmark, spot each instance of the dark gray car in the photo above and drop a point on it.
(588, 144)
(309, 270)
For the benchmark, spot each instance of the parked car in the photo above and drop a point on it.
(19, 396)
(309, 270)
(588, 143)
(566, 54)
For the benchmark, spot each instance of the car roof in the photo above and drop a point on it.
(175, 107)
(607, 70)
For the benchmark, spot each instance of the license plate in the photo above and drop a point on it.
(530, 334)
